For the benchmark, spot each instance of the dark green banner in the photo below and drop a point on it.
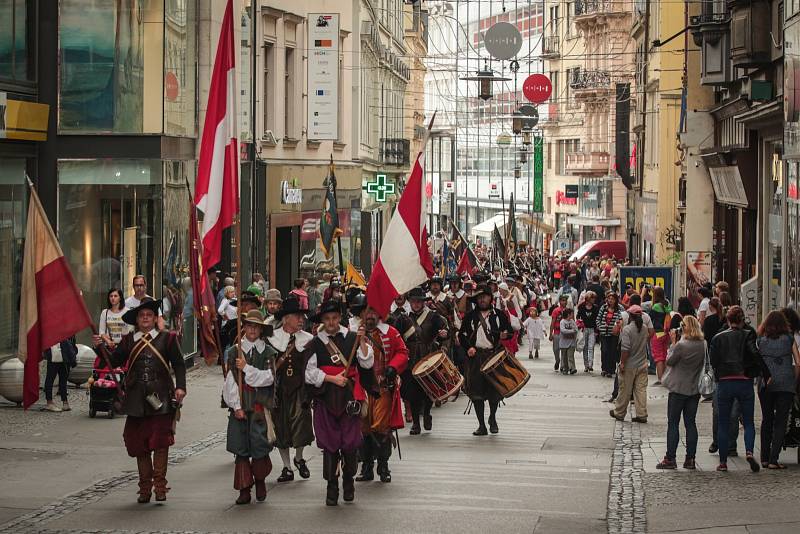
(538, 175)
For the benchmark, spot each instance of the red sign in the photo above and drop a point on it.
(171, 86)
(563, 199)
(537, 88)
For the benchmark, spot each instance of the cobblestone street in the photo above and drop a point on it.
(559, 464)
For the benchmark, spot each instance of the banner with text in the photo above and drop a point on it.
(538, 175)
(652, 276)
(323, 76)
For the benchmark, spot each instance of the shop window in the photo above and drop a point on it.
(18, 40)
(110, 225)
(13, 210)
(127, 67)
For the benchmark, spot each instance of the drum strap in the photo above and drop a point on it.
(416, 325)
(484, 327)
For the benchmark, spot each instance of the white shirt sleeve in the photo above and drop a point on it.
(257, 378)
(314, 375)
(230, 393)
(366, 360)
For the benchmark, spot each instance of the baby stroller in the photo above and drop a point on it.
(103, 389)
(792, 438)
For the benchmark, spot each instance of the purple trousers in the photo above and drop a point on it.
(336, 433)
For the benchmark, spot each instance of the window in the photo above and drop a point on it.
(549, 155)
(289, 88)
(564, 147)
(568, 20)
(18, 40)
(554, 83)
(13, 210)
(269, 86)
(553, 20)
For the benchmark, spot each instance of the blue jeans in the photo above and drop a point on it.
(727, 392)
(678, 404)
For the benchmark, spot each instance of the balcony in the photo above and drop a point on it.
(550, 120)
(590, 83)
(395, 151)
(593, 12)
(711, 32)
(551, 47)
(587, 163)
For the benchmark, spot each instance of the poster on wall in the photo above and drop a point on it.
(698, 272)
(323, 76)
(129, 259)
(651, 276)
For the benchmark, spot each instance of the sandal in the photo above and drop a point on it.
(776, 466)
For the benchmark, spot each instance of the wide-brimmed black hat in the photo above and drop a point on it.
(329, 306)
(416, 293)
(454, 278)
(146, 304)
(483, 290)
(290, 305)
(436, 280)
(252, 298)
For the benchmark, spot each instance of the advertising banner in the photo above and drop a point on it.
(698, 272)
(323, 76)
(652, 276)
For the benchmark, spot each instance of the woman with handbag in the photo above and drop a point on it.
(609, 323)
(779, 351)
(685, 365)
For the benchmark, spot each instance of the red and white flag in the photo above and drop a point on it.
(51, 307)
(217, 191)
(405, 260)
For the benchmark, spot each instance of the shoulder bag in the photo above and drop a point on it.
(706, 385)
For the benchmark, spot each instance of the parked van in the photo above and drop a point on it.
(595, 249)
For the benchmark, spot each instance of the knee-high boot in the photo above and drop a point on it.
(330, 467)
(480, 406)
(145, 465)
(349, 468)
(384, 452)
(160, 457)
(261, 468)
(367, 456)
(493, 417)
(243, 479)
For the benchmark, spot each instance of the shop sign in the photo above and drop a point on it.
(449, 188)
(561, 198)
(323, 76)
(290, 195)
(494, 191)
(503, 40)
(23, 120)
(171, 86)
(571, 191)
(652, 276)
(537, 88)
(380, 188)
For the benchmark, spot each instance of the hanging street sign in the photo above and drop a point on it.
(538, 175)
(503, 40)
(531, 116)
(379, 188)
(537, 88)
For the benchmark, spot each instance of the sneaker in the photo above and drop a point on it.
(573, 371)
(722, 468)
(754, 467)
(51, 408)
(713, 448)
(639, 419)
(689, 463)
(65, 407)
(667, 463)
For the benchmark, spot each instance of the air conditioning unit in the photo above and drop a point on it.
(269, 138)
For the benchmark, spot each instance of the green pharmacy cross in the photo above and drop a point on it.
(380, 188)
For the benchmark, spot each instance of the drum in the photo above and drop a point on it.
(437, 376)
(504, 372)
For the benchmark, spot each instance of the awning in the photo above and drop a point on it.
(486, 228)
(728, 186)
(594, 221)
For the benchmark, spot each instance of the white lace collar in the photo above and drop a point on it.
(280, 339)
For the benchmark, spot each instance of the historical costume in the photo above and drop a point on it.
(460, 303)
(249, 407)
(384, 411)
(441, 304)
(339, 363)
(151, 399)
(291, 412)
(421, 331)
(481, 333)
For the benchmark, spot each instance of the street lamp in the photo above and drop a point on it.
(516, 122)
(526, 136)
(485, 78)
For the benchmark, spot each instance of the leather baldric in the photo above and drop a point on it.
(140, 346)
(416, 325)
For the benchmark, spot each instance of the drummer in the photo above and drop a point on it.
(481, 332)
(423, 331)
